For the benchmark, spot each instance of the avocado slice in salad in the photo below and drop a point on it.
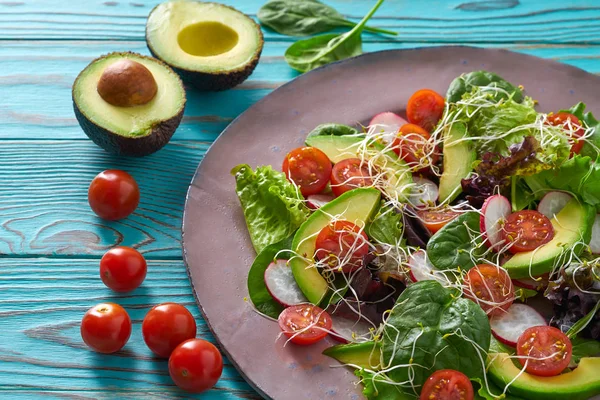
(357, 206)
(363, 355)
(458, 162)
(338, 148)
(572, 227)
(580, 384)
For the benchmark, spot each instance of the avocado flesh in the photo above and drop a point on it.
(356, 206)
(138, 130)
(579, 384)
(210, 45)
(572, 226)
(363, 355)
(397, 173)
(457, 163)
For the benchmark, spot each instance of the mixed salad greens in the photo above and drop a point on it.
(454, 253)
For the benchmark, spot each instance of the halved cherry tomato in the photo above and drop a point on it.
(447, 384)
(195, 365)
(123, 269)
(342, 242)
(490, 287)
(349, 174)
(113, 194)
(412, 145)
(304, 324)
(106, 328)
(309, 168)
(544, 350)
(527, 230)
(434, 220)
(572, 125)
(425, 108)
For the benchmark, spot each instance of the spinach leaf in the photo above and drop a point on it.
(377, 388)
(465, 83)
(308, 54)
(591, 147)
(521, 195)
(273, 207)
(386, 227)
(454, 244)
(584, 348)
(431, 328)
(583, 322)
(332, 129)
(305, 18)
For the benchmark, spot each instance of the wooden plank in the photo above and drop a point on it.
(44, 208)
(43, 301)
(463, 21)
(36, 79)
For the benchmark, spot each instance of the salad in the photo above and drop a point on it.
(454, 251)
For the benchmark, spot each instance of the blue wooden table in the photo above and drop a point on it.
(51, 242)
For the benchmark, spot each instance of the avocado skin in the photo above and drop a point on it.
(216, 81)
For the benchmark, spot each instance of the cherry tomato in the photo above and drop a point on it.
(412, 145)
(544, 350)
(425, 108)
(527, 230)
(490, 287)
(572, 125)
(434, 220)
(304, 324)
(342, 242)
(106, 328)
(447, 384)
(166, 326)
(309, 168)
(113, 194)
(195, 365)
(349, 174)
(123, 269)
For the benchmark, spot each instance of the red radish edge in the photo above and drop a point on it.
(553, 202)
(495, 209)
(528, 283)
(510, 325)
(595, 241)
(390, 122)
(316, 201)
(428, 192)
(281, 284)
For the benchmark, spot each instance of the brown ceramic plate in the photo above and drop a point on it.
(217, 248)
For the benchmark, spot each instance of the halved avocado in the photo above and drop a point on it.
(458, 160)
(364, 355)
(137, 127)
(210, 45)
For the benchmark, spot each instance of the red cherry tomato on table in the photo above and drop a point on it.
(572, 125)
(342, 242)
(527, 230)
(304, 324)
(106, 328)
(195, 365)
(113, 194)
(425, 108)
(123, 269)
(349, 174)
(434, 220)
(447, 384)
(490, 287)
(166, 326)
(412, 145)
(309, 168)
(544, 350)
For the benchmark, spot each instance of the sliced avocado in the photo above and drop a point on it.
(572, 227)
(356, 206)
(580, 384)
(457, 163)
(211, 46)
(142, 127)
(363, 355)
(338, 148)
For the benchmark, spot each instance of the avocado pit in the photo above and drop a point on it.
(127, 83)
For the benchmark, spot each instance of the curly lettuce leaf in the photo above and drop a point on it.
(386, 227)
(377, 388)
(466, 82)
(273, 207)
(591, 147)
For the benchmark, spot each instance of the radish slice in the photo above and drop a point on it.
(510, 325)
(315, 201)
(423, 193)
(553, 202)
(494, 211)
(421, 268)
(388, 125)
(281, 284)
(595, 241)
(348, 329)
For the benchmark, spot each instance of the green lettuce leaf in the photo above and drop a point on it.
(376, 388)
(466, 82)
(386, 227)
(273, 207)
(584, 348)
(591, 146)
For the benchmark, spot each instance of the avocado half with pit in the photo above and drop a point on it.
(128, 104)
(211, 46)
